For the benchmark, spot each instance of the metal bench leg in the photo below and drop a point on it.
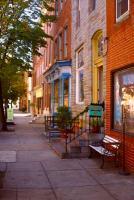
(116, 161)
(90, 153)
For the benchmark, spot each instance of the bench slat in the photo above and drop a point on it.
(110, 138)
(102, 150)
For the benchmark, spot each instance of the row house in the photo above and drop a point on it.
(25, 100)
(57, 72)
(88, 58)
(120, 74)
(37, 84)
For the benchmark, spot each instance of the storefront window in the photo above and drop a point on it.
(124, 95)
(56, 95)
(66, 92)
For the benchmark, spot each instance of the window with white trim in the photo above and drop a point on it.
(122, 9)
(56, 50)
(65, 41)
(78, 13)
(60, 46)
(61, 5)
(92, 5)
(79, 76)
(56, 7)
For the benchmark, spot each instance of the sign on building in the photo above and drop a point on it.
(95, 110)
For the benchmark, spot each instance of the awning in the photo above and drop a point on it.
(61, 69)
(65, 75)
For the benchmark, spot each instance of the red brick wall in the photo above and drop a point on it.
(63, 20)
(120, 54)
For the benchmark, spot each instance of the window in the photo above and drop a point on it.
(92, 4)
(122, 9)
(78, 14)
(65, 41)
(100, 84)
(56, 7)
(100, 46)
(80, 58)
(124, 94)
(81, 86)
(50, 49)
(97, 67)
(79, 77)
(66, 92)
(56, 95)
(60, 46)
(56, 50)
(61, 4)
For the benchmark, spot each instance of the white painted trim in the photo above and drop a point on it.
(77, 76)
(119, 19)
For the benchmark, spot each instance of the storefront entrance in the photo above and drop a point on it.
(60, 93)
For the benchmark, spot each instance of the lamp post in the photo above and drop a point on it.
(123, 171)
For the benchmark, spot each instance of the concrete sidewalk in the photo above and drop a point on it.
(39, 174)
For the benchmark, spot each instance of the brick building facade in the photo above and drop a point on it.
(120, 74)
(37, 84)
(88, 59)
(57, 68)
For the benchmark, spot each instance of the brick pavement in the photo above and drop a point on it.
(39, 174)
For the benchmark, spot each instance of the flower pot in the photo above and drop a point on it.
(95, 129)
(64, 135)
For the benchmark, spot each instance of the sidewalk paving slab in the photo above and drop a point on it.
(83, 193)
(43, 194)
(70, 178)
(24, 166)
(26, 179)
(39, 174)
(121, 191)
(110, 176)
(8, 194)
(61, 164)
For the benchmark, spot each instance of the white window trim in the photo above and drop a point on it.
(118, 19)
(77, 78)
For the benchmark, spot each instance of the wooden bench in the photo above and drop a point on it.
(107, 147)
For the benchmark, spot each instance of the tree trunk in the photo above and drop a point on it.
(6, 106)
(3, 119)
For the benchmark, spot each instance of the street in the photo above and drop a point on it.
(39, 174)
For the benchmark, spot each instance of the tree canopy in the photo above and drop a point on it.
(21, 37)
(21, 32)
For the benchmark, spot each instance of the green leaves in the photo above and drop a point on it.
(21, 37)
(21, 33)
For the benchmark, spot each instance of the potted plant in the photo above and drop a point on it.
(95, 125)
(64, 117)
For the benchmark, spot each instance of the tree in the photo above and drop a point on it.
(13, 87)
(21, 36)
